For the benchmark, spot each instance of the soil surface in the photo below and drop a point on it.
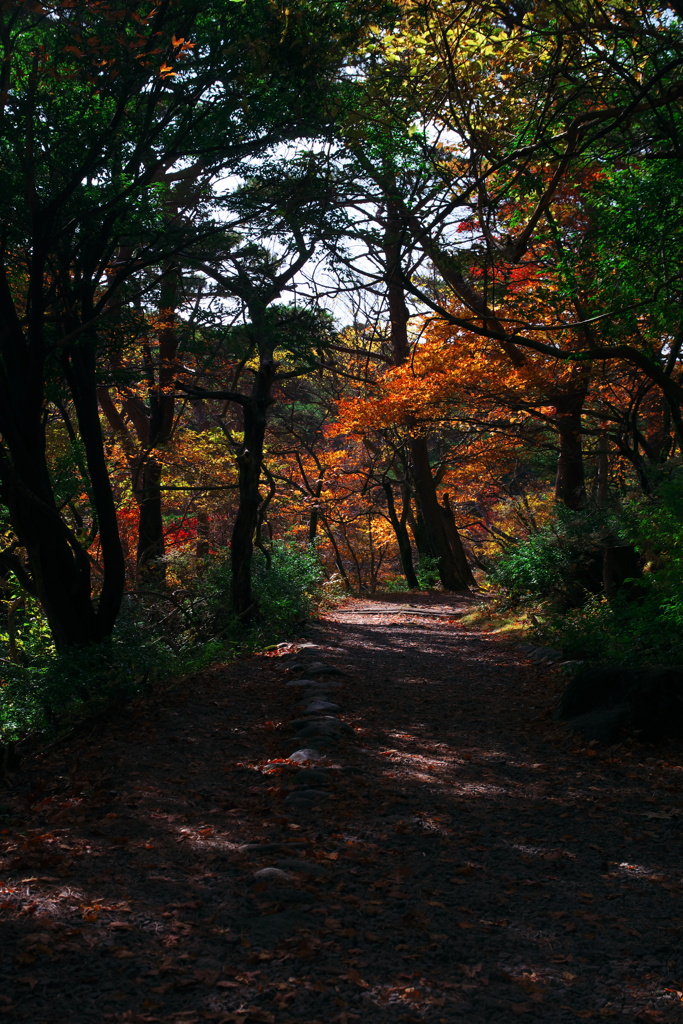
(436, 849)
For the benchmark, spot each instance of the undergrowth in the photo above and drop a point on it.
(558, 573)
(160, 634)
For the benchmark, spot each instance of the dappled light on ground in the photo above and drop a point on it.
(459, 856)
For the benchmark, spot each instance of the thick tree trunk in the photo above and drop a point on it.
(150, 523)
(442, 536)
(570, 481)
(58, 564)
(454, 542)
(249, 462)
(59, 568)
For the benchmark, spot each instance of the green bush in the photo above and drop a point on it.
(169, 633)
(561, 565)
(427, 572)
(285, 591)
(46, 690)
(558, 570)
(643, 626)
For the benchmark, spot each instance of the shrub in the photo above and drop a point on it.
(166, 632)
(645, 625)
(46, 690)
(286, 591)
(560, 565)
(427, 572)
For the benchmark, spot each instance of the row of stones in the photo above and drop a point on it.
(318, 726)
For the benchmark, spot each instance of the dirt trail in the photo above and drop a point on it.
(446, 854)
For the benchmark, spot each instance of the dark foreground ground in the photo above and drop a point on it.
(455, 857)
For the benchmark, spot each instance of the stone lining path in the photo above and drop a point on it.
(379, 823)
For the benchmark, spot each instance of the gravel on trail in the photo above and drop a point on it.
(379, 822)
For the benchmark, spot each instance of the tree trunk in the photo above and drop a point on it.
(443, 539)
(455, 544)
(249, 463)
(203, 535)
(150, 522)
(339, 561)
(58, 563)
(442, 536)
(570, 482)
(59, 569)
(403, 540)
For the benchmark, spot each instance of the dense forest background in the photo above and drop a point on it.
(316, 297)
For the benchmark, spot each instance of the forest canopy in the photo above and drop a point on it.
(316, 296)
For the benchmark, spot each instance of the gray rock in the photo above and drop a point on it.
(321, 705)
(318, 668)
(298, 804)
(303, 682)
(648, 701)
(305, 754)
(329, 727)
(604, 725)
(272, 875)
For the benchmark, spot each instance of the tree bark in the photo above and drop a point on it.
(442, 536)
(443, 539)
(249, 463)
(58, 563)
(570, 481)
(150, 548)
(402, 538)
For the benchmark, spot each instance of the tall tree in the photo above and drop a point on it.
(102, 103)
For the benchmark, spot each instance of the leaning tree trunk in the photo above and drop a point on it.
(249, 463)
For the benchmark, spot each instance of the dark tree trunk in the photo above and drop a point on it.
(150, 522)
(59, 568)
(58, 563)
(203, 535)
(158, 430)
(455, 544)
(339, 561)
(402, 538)
(442, 538)
(570, 481)
(249, 462)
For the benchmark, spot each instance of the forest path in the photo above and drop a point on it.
(454, 857)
